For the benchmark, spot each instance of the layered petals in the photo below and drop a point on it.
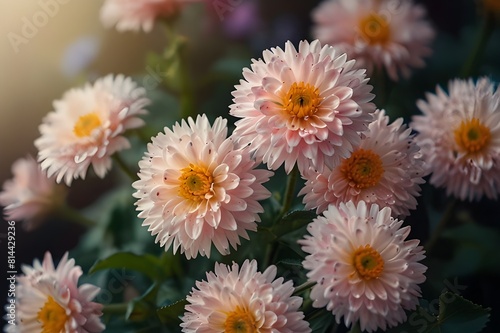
(197, 187)
(364, 268)
(87, 127)
(386, 168)
(385, 35)
(459, 132)
(235, 299)
(302, 107)
(48, 299)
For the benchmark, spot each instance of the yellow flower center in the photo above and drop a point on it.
(363, 169)
(374, 29)
(240, 321)
(472, 136)
(301, 100)
(86, 124)
(368, 263)
(52, 316)
(195, 183)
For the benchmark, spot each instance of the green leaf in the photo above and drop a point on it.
(170, 314)
(167, 66)
(146, 264)
(456, 315)
(143, 307)
(477, 246)
(293, 221)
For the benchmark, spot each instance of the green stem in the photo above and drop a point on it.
(381, 86)
(287, 204)
(68, 213)
(124, 167)
(485, 33)
(441, 226)
(115, 309)
(289, 191)
(303, 287)
(186, 93)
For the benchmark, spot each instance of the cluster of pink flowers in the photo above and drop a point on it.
(309, 110)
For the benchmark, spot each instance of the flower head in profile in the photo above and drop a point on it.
(459, 133)
(304, 107)
(380, 34)
(48, 299)
(29, 195)
(234, 299)
(139, 14)
(365, 271)
(197, 187)
(87, 127)
(386, 168)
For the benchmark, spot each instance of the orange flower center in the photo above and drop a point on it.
(301, 100)
(368, 263)
(240, 321)
(363, 169)
(374, 29)
(472, 136)
(86, 124)
(195, 183)
(52, 316)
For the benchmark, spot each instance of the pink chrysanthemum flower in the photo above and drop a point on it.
(364, 269)
(459, 133)
(304, 107)
(197, 187)
(243, 300)
(30, 195)
(386, 169)
(139, 14)
(87, 127)
(377, 33)
(48, 299)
